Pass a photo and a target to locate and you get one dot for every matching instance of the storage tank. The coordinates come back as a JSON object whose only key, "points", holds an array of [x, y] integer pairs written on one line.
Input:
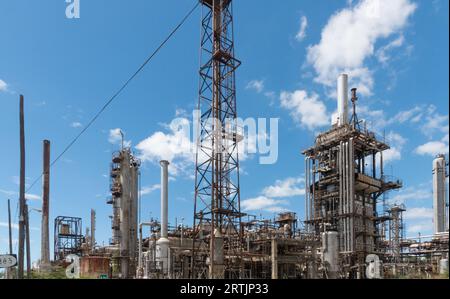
{"points": [[95, 267], [443, 267], [330, 253]]}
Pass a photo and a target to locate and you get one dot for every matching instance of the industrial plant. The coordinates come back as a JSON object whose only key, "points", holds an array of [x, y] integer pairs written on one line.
{"points": [[349, 229]]}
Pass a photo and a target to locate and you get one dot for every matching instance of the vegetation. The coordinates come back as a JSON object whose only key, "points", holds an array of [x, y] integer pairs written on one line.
{"points": [[55, 273]]}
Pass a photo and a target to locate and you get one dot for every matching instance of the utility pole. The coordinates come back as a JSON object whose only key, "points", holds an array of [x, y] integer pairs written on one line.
{"points": [[92, 231], [9, 227], [27, 230], [22, 191], [45, 246], [9, 270]]}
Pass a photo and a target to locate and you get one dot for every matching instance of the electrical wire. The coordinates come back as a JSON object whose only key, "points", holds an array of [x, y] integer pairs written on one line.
{"points": [[118, 92]]}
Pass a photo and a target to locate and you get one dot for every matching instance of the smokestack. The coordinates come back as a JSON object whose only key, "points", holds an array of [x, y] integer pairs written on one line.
{"points": [[22, 202], [162, 245], [45, 243], [439, 194], [164, 197], [342, 95], [92, 231]]}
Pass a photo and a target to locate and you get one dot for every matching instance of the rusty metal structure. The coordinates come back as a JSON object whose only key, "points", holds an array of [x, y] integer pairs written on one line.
{"points": [[217, 246], [124, 186], [68, 237], [344, 182]]}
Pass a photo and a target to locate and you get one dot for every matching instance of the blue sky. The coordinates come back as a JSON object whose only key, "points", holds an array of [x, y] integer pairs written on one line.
{"points": [[291, 54]]}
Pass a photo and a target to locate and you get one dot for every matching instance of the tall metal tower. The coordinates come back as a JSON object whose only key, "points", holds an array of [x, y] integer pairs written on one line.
{"points": [[217, 246]]}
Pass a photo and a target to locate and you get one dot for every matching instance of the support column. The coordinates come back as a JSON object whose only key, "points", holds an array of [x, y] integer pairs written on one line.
{"points": [[45, 243], [274, 256]]}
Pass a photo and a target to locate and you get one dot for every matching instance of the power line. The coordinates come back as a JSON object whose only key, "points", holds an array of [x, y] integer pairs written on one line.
{"points": [[117, 93]]}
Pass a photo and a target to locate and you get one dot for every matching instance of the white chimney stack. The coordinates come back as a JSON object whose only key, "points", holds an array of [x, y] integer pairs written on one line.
{"points": [[342, 97], [162, 245], [164, 197]]}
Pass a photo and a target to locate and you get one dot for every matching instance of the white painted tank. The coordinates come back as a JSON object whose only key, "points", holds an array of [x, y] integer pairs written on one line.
{"points": [[330, 253], [443, 266], [162, 245], [342, 98]]}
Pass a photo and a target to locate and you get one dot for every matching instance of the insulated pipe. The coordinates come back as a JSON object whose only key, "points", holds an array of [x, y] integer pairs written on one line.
{"points": [[164, 197], [342, 94], [307, 193], [140, 264], [352, 191]]}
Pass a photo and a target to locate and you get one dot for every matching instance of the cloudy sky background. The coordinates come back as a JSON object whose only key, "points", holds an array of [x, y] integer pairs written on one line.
{"points": [[395, 51]]}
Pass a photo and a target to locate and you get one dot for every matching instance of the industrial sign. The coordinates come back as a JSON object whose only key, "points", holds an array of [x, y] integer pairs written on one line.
{"points": [[8, 261]]}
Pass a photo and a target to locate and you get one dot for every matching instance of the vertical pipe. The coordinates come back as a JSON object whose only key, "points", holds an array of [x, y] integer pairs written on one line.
{"points": [[274, 256], [125, 217], [352, 191], [162, 245], [140, 252], [342, 92], [22, 191], [45, 245], [93, 231], [164, 197], [27, 232], [307, 192], [10, 227], [9, 270]]}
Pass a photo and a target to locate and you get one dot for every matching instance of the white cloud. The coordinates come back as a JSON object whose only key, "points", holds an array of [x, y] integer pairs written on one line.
{"points": [[285, 188], [303, 26], [27, 195], [256, 85], [270, 198], [396, 142], [76, 125], [262, 203], [422, 227], [3, 85], [435, 123], [150, 189], [308, 111], [349, 39], [432, 148], [418, 213], [115, 137], [16, 226], [13, 225], [174, 147], [412, 193], [383, 54]]}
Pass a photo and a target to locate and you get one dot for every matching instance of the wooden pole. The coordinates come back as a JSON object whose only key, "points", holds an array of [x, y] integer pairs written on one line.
{"points": [[27, 229], [45, 245], [9, 271], [22, 190]]}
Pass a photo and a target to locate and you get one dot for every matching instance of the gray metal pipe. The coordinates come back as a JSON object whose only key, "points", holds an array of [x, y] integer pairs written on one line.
{"points": [[342, 93], [164, 198]]}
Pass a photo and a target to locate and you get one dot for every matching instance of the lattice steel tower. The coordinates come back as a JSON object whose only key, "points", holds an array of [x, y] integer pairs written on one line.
{"points": [[217, 246]]}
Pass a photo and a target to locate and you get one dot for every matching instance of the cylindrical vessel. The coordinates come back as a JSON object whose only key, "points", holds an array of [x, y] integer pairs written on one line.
{"points": [[330, 250], [164, 197], [443, 267], [162, 245], [342, 95]]}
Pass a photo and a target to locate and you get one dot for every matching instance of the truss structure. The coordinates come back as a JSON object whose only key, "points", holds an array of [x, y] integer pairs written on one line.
{"points": [[217, 246]]}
